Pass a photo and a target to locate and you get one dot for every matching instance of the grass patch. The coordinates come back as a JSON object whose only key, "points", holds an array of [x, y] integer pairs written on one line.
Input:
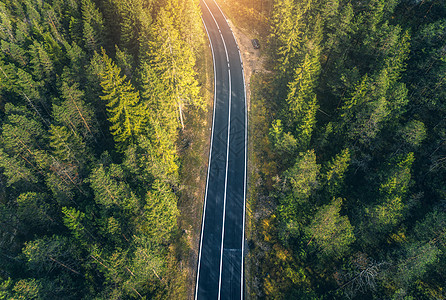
{"points": [[261, 171]]}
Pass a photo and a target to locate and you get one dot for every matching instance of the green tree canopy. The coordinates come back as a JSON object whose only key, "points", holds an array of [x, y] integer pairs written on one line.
{"points": [[126, 115], [331, 232]]}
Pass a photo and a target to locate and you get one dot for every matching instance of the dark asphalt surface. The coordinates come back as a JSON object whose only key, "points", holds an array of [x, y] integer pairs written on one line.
{"points": [[220, 273]]}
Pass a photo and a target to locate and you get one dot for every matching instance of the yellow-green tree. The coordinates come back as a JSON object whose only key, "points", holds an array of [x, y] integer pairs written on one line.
{"points": [[331, 232], [126, 116], [161, 213], [288, 26], [301, 99], [334, 178], [391, 208], [173, 59], [299, 182]]}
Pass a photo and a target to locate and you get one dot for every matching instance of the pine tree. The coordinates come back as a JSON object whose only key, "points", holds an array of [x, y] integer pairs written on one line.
{"points": [[288, 26], [27, 87], [148, 265], [126, 115], [155, 96], [129, 13], [372, 103], [110, 191], [411, 135], [27, 289], [301, 98], [34, 211], [189, 20], [393, 189], [6, 24], [160, 213], [51, 253], [338, 30], [21, 135], [357, 97], [76, 222], [334, 177], [22, 32], [66, 146], [416, 259], [153, 157], [432, 228], [174, 61], [78, 61], [115, 267], [73, 113], [41, 63], [16, 53], [284, 143], [125, 62], [23, 138], [392, 205], [299, 182], [331, 232], [16, 169], [21, 83], [93, 27]]}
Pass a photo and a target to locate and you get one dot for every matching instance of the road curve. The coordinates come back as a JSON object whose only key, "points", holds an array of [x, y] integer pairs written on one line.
{"points": [[220, 259]]}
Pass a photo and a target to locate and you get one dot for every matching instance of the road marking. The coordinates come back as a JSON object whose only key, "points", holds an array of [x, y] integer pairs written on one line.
{"points": [[227, 158], [227, 161], [209, 163], [226, 19], [226, 186], [246, 149]]}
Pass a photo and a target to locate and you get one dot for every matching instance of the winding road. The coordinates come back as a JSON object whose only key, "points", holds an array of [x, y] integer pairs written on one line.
{"points": [[220, 259]]}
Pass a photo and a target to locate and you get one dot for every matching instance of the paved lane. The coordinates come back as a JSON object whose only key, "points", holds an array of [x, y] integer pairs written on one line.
{"points": [[220, 262]]}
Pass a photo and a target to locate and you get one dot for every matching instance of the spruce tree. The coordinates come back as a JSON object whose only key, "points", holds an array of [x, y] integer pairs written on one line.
{"points": [[302, 100], [174, 61], [331, 232], [127, 117]]}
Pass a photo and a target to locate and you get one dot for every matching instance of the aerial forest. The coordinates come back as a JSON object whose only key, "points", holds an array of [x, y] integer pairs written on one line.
{"points": [[347, 157], [93, 97], [348, 131]]}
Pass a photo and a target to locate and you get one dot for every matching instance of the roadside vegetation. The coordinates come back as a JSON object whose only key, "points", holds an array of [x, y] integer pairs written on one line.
{"points": [[347, 151], [102, 109]]}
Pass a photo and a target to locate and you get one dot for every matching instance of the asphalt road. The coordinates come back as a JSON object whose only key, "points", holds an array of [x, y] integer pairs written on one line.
{"points": [[220, 261]]}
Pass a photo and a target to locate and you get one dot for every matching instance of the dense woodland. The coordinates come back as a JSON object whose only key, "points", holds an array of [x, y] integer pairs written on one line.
{"points": [[93, 95], [348, 191]]}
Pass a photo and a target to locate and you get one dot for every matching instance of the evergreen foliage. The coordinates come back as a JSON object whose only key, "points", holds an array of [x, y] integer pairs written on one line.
{"points": [[350, 188], [126, 116], [88, 156]]}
